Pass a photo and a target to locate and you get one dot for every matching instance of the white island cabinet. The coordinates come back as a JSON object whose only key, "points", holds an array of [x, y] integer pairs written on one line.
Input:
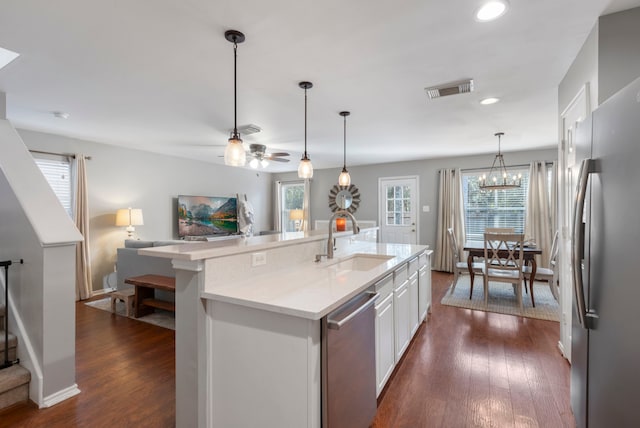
{"points": [[248, 335], [385, 346], [424, 284]]}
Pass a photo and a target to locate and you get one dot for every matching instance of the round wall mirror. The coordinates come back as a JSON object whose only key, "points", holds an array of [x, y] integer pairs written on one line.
{"points": [[344, 198]]}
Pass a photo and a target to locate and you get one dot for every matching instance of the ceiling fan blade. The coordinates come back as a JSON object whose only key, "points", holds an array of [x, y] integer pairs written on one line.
{"points": [[278, 159], [278, 154]]}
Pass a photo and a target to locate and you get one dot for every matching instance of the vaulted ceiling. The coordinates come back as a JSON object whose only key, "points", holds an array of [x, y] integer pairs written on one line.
{"points": [[157, 75]]}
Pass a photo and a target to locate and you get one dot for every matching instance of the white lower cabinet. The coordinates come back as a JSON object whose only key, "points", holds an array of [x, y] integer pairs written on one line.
{"points": [[402, 304], [401, 317], [414, 314], [424, 285], [385, 351]]}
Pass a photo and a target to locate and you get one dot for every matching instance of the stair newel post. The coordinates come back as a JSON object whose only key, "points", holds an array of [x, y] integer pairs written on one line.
{"points": [[6, 362]]}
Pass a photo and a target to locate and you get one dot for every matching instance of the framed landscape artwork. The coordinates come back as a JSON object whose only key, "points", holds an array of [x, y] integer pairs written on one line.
{"points": [[207, 215]]}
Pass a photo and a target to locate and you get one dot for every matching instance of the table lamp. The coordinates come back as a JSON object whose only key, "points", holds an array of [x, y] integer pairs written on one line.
{"points": [[297, 215], [129, 217]]}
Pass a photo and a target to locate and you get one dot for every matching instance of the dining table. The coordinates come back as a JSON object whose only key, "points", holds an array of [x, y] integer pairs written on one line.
{"points": [[476, 249]]}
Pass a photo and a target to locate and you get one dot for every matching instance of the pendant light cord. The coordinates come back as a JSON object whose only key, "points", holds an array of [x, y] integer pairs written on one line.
{"points": [[344, 139], [235, 90], [305, 123]]}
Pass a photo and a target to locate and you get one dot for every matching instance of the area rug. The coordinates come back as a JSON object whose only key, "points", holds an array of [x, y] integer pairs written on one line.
{"points": [[160, 318], [502, 299]]}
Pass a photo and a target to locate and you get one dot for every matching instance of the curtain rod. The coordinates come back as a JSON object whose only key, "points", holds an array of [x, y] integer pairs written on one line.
{"points": [[69, 155]]}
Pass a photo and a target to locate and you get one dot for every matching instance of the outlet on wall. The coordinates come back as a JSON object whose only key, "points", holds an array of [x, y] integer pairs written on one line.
{"points": [[258, 259]]}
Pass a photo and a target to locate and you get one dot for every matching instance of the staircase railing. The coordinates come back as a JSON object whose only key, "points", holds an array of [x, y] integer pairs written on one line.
{"points": [[7, 363]]}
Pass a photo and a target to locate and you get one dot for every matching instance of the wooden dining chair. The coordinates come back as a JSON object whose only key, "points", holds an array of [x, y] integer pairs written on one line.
{"points": [[549, 274], [503, 255], [460, 266], [499, 230]]}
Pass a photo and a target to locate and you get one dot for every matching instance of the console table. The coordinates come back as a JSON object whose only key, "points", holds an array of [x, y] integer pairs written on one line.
{"points": [[145, 301]]}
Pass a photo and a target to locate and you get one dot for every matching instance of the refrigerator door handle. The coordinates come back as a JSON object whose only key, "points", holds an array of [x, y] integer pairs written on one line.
{"points": [[577, 239]]}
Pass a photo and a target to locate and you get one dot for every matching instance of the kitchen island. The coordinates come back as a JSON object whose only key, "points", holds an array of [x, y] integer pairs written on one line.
{"points": [[248, 321]]}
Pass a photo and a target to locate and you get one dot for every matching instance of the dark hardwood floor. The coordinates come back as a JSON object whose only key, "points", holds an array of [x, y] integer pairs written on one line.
{"points": [[478, 369], [463, 369], [126, 371]]}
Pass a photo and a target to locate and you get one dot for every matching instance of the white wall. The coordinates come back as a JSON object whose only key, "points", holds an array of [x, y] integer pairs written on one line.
{"points": [[584, 69], [619, 51], [366, 179], [120, 177]]}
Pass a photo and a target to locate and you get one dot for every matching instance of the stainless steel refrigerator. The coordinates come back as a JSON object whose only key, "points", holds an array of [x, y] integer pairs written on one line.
{"points": [[605, 366]]}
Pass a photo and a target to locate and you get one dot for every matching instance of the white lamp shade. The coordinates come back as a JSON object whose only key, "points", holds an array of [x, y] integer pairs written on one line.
{"points": [[129, 217], [296, 214], [234, 154], [305, 169], [344, 179]]}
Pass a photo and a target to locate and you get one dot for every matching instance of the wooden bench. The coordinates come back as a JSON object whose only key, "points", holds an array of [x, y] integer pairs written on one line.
{"points": [[144, 300]]}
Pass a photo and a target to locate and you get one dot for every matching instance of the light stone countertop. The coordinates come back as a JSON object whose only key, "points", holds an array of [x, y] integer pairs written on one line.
{"points": [[312, 290], [199, 250]]}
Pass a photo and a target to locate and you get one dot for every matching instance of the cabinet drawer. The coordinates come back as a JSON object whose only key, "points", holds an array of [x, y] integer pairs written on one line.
{"points": [[384, 287], [400, 275], [413, 266], [423, 259]]}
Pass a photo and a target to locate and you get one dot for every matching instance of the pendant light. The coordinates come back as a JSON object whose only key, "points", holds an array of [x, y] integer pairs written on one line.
{"points": [[305, 169], [344, 179], [234, 154], [498, 178]]}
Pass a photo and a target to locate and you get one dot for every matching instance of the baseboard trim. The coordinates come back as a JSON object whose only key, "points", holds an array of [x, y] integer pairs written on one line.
{"points": [[561, 348], [60, 396]]}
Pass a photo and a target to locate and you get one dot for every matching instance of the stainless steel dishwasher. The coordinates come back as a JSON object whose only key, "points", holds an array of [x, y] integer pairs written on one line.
{"points": [[349, 364]]}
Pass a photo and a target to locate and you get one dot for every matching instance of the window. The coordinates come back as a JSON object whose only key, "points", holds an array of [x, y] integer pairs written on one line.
{"points": [[398, 211], [291, 197], [57, 171], [498, 208]]}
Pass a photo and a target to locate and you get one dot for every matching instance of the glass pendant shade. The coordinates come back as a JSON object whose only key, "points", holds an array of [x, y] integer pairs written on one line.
{"points": [[305, 169], [234, 153], [345, 178]]}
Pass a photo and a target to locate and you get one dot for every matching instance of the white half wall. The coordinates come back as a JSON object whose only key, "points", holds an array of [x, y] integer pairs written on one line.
{"points": [[35, 228], [120, 178]]}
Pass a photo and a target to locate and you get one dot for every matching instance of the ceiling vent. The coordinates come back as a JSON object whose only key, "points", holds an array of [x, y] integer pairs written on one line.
{"points": [[248, 129], [451, 88]]}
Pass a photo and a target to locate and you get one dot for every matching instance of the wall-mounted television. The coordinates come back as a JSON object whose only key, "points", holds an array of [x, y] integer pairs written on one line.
{"points": [[207, 215]]}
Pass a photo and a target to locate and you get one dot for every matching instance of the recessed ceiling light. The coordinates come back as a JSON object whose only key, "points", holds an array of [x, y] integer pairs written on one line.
{"points": [[6, 56], [491, 10], [487, 101]]}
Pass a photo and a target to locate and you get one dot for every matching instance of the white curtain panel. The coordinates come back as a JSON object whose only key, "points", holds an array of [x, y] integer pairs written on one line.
{"points": [[450, 214], [306, 206], [538, 219], [81, 215]]}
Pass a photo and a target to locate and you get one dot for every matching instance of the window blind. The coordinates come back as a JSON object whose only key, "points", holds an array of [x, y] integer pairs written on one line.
{"points": [[57, 171], [496, 208]]}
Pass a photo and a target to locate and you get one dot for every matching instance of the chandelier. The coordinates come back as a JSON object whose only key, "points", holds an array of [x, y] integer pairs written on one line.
{"points": [[498, 177]]}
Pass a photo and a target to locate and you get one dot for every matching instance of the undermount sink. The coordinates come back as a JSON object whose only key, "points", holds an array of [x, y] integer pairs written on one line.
{"points": [[360, 262]]}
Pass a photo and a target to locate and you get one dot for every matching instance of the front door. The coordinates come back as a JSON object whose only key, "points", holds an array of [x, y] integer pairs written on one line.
{"points": [[398, 201]]}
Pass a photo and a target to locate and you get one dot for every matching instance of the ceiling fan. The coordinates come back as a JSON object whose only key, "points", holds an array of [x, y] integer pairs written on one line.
{"points": [[258, 155]]}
